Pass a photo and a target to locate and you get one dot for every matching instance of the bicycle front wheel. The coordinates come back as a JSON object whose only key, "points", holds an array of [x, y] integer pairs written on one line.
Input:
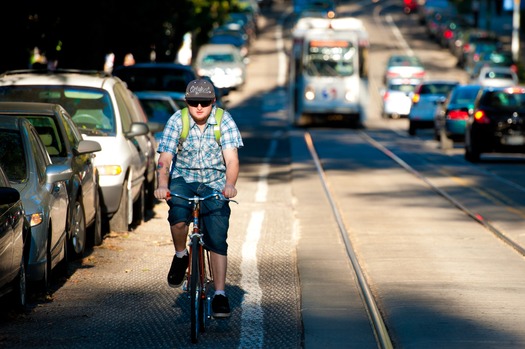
{"points": [[196, 290]]}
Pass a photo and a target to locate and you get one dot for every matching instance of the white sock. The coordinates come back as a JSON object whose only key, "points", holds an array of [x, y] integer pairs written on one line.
{"points": [[181, 254], [222, 293]]}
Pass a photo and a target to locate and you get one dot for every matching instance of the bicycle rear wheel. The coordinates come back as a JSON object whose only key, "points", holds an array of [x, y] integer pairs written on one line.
{"points": [[196, 290]]}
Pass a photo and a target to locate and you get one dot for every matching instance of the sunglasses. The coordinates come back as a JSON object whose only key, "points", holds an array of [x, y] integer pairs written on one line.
{"points": [[203, 104]]}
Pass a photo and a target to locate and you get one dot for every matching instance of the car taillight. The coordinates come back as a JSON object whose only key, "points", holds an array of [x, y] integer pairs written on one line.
{"points": [[448, 34], [415, 98], [457, 115], [418, 75], [385, 96], [514, 68], [481, 118]]}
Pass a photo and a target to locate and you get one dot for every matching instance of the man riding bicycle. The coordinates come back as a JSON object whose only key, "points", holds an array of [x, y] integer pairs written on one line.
{"points": [[202, 166]]}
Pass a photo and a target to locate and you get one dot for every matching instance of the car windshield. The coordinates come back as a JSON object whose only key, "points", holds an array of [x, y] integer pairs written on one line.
{"points": [[12, 156], [157, 110], [91, 109], [407, 88], [219, 58], [464, 95], [436, 89], [505, 100], [404, 61]]}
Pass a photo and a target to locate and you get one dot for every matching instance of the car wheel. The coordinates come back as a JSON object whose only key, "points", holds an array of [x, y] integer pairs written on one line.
{"points": [[412, 129], [77, 232], [95, 229], [139, 208], [120, 220], [43, 284], [471, 155], [150, 196]]}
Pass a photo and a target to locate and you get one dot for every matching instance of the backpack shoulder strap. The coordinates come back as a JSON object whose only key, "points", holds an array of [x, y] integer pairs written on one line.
{"points": [[217, 127], [185, 127]]}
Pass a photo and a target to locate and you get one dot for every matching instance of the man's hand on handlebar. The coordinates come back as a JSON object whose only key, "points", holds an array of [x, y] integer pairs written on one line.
{"points": [[162, 193], [229, 191]]}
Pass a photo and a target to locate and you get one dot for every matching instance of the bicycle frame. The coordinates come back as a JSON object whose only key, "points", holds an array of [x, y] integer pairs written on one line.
{"points": [[199, 274]]}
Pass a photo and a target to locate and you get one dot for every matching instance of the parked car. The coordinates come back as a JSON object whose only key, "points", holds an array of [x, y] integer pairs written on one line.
{"points": [[223, 64], [156, 76], [409, 6], [397, 97], [159, 107], [65, 145], [170, 78], [43, 190], [497, 123], [449, 30], [14, 243], [474, 55], [450, 118], [403, 67], [425, 99], [236, 39], [426, 7], [496, 76], [101, 107], [467, 39], [148, 147]]}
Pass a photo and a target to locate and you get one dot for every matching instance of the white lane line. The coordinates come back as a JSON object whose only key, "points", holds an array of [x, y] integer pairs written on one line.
{"points": [[252, 314], [252, 317]]}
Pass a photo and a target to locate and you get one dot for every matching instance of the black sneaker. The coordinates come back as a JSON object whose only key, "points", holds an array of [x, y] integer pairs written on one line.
{"points": [[220, 306], [177, 271]]}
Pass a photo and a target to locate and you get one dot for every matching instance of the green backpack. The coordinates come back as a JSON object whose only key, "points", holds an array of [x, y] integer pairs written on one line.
{"points": [[186, 126]]}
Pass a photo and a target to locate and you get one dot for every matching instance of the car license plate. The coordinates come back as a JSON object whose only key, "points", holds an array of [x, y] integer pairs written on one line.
{"points": [[513, 140]]}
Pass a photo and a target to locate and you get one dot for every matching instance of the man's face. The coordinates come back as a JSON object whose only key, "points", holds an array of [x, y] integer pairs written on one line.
{"points": [[200, 110]]}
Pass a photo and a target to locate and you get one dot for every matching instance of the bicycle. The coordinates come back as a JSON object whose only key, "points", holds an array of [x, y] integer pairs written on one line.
{"points": [[200, 273]]}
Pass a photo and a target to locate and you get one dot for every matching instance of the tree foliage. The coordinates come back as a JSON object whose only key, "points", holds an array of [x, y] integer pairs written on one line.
{"points": [[80, 35]]}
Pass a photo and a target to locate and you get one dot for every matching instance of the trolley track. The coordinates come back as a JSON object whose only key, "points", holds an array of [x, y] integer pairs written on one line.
{"points": [[436, 170]]}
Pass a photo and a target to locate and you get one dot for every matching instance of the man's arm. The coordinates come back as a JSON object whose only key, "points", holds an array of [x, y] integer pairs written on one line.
{"points": [[231, 160], [163, 174]]}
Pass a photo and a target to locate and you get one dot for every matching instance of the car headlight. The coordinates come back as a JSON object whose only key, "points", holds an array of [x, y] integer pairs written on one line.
{"points": [[109, 170]]}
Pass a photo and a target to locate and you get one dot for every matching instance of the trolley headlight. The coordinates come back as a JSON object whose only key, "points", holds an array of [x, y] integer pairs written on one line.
{"points": [[309, 93], [350, 96]]}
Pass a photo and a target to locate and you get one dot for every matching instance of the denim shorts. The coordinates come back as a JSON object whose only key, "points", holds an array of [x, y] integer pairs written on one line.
{"points": [[214, 215]]}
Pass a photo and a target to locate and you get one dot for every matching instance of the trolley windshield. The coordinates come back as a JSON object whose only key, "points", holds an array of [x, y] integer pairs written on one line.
{"points": [[330, 58]]}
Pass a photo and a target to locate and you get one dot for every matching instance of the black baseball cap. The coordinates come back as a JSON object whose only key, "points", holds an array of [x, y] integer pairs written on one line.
{"points": [[200, 90]]}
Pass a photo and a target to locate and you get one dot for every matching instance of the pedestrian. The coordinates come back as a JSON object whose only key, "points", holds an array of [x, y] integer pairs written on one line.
{"points": [[475, 12], [200, 167]]}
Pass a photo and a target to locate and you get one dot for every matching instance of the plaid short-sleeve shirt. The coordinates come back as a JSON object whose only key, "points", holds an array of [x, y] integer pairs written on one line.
{"points": [[200, 159]]}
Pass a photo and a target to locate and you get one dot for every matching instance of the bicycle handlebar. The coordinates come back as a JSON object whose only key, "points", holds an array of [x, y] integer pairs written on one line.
{"points": [[217, 195]]}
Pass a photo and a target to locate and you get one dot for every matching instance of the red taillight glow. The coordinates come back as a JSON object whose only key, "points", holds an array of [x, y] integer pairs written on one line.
{"points": [[419, 75], [481, 117], [448, 34], [457, 115]]}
